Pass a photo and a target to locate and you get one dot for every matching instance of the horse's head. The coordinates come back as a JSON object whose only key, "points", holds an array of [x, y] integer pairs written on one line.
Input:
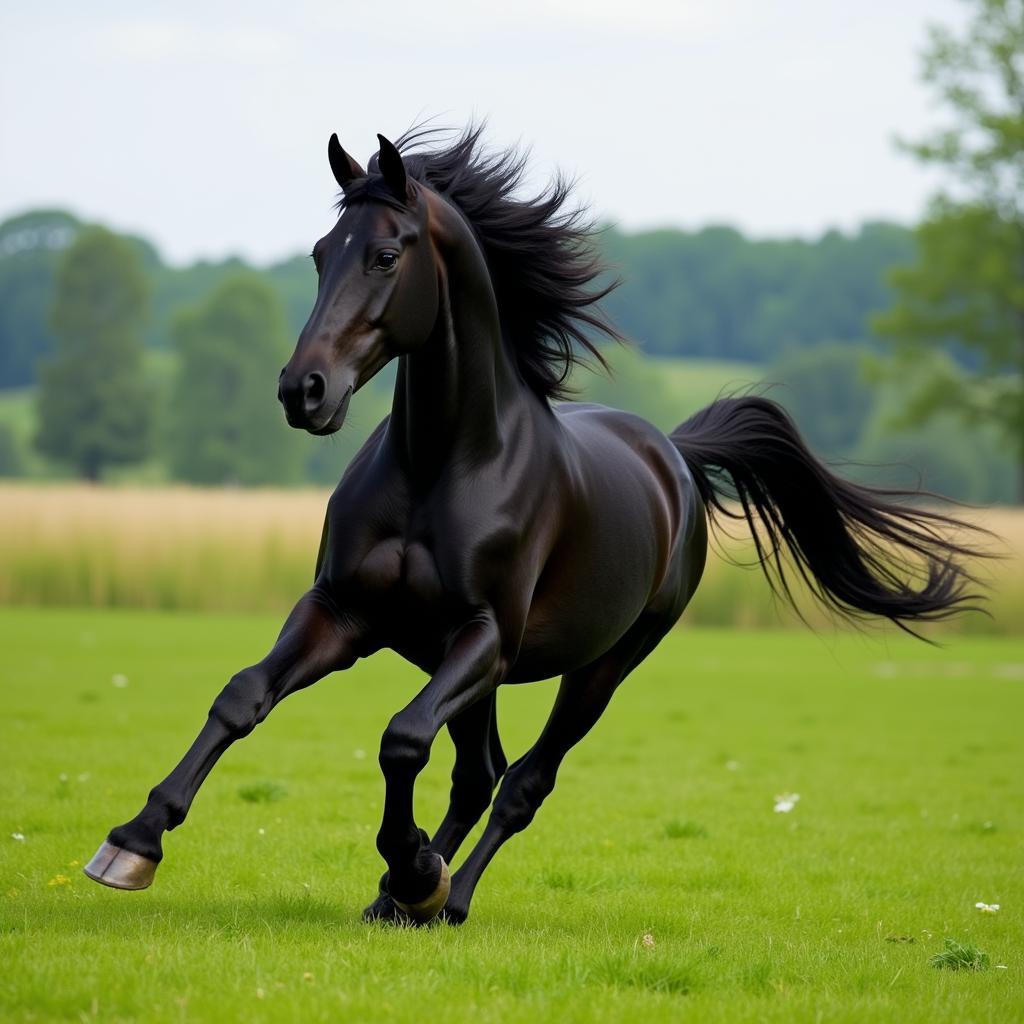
{"points": [[378, 291]]}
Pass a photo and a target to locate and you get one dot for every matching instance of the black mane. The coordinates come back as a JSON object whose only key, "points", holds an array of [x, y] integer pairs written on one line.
{"points": [[544, 267]]}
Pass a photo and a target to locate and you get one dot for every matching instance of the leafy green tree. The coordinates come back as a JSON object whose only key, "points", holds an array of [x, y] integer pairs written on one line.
{"points": [[941, 457], [12, 461], [94, 406], [719, 295], [633, 383], [226, 424], [825, 391], [30, 249], [965, 294]]}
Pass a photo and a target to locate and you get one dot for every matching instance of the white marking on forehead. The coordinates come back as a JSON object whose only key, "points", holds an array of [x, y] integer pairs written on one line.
{"points": [[348, 238]]}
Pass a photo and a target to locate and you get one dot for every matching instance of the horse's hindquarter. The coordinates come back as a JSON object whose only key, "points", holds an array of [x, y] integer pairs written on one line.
{"points": [[631, 540]]}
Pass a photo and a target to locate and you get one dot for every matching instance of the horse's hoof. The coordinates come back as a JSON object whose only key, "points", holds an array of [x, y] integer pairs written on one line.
{"points": [[120, 869], [383, 910], [426, 910], [454, 916]]}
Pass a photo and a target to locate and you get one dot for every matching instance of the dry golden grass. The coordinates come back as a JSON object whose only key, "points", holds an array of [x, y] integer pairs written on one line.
{"points": [[249, 550], [175, 547]]}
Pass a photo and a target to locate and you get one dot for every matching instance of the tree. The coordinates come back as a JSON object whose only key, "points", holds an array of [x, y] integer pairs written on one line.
{"points": [[11, 461], [634, 383], [826, 394], [717, 294], [94, 407], [226, 423], [965, 294], [30, 249]]}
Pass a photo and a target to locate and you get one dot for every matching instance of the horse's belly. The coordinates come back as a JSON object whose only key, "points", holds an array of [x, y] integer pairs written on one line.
{"points": [[577, 616]]}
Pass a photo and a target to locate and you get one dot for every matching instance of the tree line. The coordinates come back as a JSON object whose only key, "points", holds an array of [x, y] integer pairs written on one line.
{"points": [[712, 293], [172, 370], [212, 336]]}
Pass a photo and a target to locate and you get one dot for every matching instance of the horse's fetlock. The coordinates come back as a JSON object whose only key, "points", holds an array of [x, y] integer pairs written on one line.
{"points": [[138, 837], [169, 807], [404, 844]]}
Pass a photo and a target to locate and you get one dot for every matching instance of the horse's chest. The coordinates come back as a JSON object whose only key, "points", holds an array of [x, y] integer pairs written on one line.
{"points": [[398, 567]]}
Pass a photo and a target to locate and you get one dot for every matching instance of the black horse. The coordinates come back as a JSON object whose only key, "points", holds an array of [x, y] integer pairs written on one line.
{"points": [[489, 536]]}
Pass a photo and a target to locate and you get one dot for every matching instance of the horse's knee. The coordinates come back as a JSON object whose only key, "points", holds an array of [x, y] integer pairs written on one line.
{"points": [[523, 791], [405, 745], [244, 702]]}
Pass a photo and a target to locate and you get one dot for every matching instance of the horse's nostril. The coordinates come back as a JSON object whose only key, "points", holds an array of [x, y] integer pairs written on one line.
{"points": [[314, 387]]}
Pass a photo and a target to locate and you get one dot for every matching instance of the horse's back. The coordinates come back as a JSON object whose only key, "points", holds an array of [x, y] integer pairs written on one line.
{"points": [[623, 442], [608, 440]]}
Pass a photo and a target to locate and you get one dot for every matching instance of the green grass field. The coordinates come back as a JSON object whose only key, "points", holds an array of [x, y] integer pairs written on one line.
{"points": [[908, 761]]}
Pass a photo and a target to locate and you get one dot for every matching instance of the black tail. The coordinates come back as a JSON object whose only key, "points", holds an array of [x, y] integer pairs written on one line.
{"points": [[861, 550]]}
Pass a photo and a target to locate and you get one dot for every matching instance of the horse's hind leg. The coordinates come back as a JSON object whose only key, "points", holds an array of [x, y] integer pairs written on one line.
{"points": [[582, 698], [479, 764], [312, 643]]}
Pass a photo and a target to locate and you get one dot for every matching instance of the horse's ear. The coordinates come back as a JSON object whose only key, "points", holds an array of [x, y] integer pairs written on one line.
{"points": [[345, 169], [389, 160]]}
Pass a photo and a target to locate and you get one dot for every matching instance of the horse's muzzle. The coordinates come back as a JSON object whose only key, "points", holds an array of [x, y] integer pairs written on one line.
{"points": [[311, 404], [336, 419]]}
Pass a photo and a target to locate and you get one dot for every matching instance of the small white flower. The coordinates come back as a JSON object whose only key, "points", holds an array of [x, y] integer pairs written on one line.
{"points": [[785, 802], [359, 754], [18, 837], [731, 766], [261, 831], [987, 908], [119, 680]]}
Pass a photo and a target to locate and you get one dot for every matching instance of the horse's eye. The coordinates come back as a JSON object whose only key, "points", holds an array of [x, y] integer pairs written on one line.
{"points": [[385, 260]]}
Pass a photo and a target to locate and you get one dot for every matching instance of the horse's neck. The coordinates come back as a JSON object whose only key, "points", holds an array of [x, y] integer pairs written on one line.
{"points": [[454, 396]]}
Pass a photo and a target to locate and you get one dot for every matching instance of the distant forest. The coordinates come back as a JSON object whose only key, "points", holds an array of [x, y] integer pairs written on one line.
{"points": [[706, 310], [712, 293]]}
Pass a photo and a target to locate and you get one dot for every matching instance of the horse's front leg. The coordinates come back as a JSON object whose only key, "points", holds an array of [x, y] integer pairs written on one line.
{"points": [[479, 765], [315, 640], [418, 879]]}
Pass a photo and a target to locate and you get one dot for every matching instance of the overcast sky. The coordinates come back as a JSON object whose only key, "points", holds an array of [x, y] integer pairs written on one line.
{"points": [[204, 126]]}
